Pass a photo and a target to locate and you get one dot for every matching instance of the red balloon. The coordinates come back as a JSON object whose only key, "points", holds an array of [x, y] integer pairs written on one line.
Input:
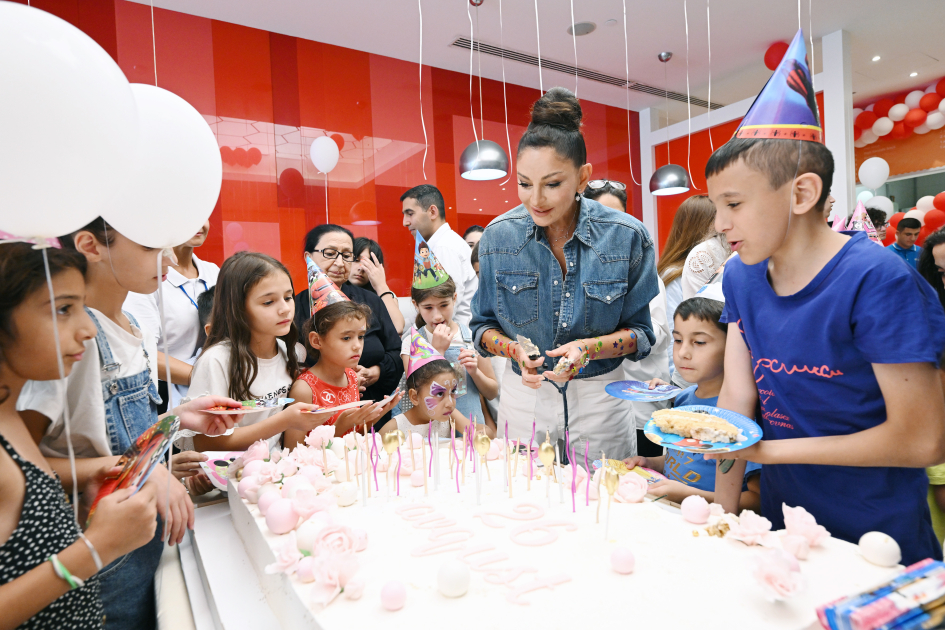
{"points": [[934, 219], [291, 183], [900, 131], [939, 201], [240, 157], [226, 153], [857, 132], [254, 156], [890, 238], [775, 54], [339, 140], [901, 98], [895, 219], [866, 119], [882, 106], [940, 88], [915, 117], [923, 233], [930, 102]]}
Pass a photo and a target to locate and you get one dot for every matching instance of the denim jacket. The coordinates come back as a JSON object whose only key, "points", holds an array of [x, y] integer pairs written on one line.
{"points": [[610, 280]]}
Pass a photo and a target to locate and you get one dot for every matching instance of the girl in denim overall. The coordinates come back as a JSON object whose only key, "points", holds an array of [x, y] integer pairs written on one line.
{"points": [[452, 340]]}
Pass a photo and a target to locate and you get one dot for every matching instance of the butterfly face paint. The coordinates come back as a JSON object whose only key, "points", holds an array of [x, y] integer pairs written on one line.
{"points": [[441, 396]]}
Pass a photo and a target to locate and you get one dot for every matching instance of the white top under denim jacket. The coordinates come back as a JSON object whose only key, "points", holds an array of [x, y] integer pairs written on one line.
{"points": [[610, 280]]}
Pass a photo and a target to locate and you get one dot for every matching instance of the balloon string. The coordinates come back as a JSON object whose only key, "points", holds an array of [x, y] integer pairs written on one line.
{"points": [[574, 41], [541, 87], [65, 390], [426, 144], [810, 33], [167, 379], [482, 122], [505, 102], [626, 63], [154, 43], [472, 47], [327, 220], [688, 99], [708, 20]]}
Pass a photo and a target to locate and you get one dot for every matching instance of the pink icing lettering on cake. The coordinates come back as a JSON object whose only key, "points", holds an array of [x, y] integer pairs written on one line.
{"points": [[521, 512], [549, 582], [507, 576], [482, 559], [433, 521], [525, 534], [443, 541]]}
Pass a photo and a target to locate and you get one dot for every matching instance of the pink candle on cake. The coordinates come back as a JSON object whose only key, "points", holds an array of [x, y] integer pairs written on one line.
{"points": [[587, 488]]}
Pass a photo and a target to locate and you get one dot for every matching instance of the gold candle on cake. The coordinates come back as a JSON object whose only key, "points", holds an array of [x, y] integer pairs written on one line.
{"points": [[546, 453]]}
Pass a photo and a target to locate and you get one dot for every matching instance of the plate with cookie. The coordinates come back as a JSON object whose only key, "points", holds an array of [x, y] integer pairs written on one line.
{"points": [[702, 429], [640, 391]]}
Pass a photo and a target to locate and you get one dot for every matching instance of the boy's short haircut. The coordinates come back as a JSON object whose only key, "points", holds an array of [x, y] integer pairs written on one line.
{"points": [[426, 196], [702, 308], [778, 159], [909, 224], [205, 306]]}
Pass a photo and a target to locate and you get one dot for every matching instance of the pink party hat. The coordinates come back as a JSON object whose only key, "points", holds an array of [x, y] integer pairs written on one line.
{"points": [[421, 352], [840, 224], [860, 222]]}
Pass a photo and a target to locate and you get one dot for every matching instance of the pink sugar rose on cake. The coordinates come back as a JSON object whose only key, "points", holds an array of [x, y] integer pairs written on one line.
{"points": [[257, 451], [776, 575], [581, 475], [287, 556], [286, 468], [320, 436], [632, 489], [797, 546], [753, 529], [267, 473], [307, 502], [800, 522], [337, 539], [333, 572]]}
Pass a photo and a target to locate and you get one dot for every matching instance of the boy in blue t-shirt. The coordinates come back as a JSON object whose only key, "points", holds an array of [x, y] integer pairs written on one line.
{"points": [[850, 419], [698, 354]]}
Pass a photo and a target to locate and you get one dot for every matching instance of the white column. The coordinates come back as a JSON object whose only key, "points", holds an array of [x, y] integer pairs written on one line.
{"points": [[837, 86]]}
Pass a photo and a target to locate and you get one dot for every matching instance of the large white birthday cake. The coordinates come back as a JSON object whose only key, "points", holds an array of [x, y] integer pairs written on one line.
{"points": [[329, 557]]}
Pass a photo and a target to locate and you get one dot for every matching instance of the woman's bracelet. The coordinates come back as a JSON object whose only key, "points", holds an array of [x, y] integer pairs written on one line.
{"points": [[391, 293], [95, 557], [64, 574]]}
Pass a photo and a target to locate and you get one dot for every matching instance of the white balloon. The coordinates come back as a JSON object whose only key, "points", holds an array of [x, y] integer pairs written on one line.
{"points": [[941, 106], [865, 196], [930, 89], [925, 203], [935, 120], [882, 126], [869, 107], [176, 173], [922, 129], [68, 124], [916, 214], [856, 112], [859, 144], [324, 154], [868, 136], [898, 112], [874, 172], [913, 98], [881, 203]]}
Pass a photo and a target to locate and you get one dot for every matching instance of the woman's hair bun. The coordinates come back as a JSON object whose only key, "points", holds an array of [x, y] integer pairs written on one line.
{"points": [[559, 107]]}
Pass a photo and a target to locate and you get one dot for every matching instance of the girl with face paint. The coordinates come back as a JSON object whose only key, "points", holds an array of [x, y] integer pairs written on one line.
{"points": [[432, 391]]}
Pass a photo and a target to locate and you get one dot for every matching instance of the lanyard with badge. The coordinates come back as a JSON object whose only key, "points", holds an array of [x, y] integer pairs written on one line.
{"points": [[182, 290]]}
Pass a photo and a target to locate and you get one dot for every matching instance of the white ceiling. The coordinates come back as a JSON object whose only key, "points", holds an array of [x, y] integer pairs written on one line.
{"points": [[906, 34]]}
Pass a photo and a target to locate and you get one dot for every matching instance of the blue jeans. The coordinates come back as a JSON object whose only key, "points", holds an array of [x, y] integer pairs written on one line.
{"points": [[130, 408]]}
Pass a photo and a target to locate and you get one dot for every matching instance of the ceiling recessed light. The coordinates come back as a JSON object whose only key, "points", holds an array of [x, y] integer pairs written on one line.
{"points": [[876, 58], [582, 28], [480, 209], [474, 198], [610, 22], [914, 74]]}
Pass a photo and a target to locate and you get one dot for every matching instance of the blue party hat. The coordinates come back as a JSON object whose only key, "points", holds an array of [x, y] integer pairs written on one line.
{"points": [[786, 108]]}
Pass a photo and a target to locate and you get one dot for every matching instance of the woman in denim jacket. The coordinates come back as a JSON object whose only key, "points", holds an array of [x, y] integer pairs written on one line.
{"points": [[573, 276]]}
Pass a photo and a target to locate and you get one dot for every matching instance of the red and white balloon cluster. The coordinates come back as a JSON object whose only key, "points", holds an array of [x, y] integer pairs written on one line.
{"points": [[929, 210], [917, 112], [240, 156]]}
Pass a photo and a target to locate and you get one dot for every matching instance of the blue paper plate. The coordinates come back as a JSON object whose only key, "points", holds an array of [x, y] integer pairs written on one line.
{"points": [[746, 427], [640, 392]]}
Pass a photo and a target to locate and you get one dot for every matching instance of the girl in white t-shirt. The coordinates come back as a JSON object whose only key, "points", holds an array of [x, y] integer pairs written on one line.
{"points": [[250, 351]]}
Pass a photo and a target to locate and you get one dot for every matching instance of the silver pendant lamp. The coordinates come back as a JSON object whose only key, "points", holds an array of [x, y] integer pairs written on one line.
{"points": [[483, 159], [669, 179]]}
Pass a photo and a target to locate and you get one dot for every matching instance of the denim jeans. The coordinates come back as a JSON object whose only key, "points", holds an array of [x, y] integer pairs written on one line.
{"points": [[130, 408]]}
